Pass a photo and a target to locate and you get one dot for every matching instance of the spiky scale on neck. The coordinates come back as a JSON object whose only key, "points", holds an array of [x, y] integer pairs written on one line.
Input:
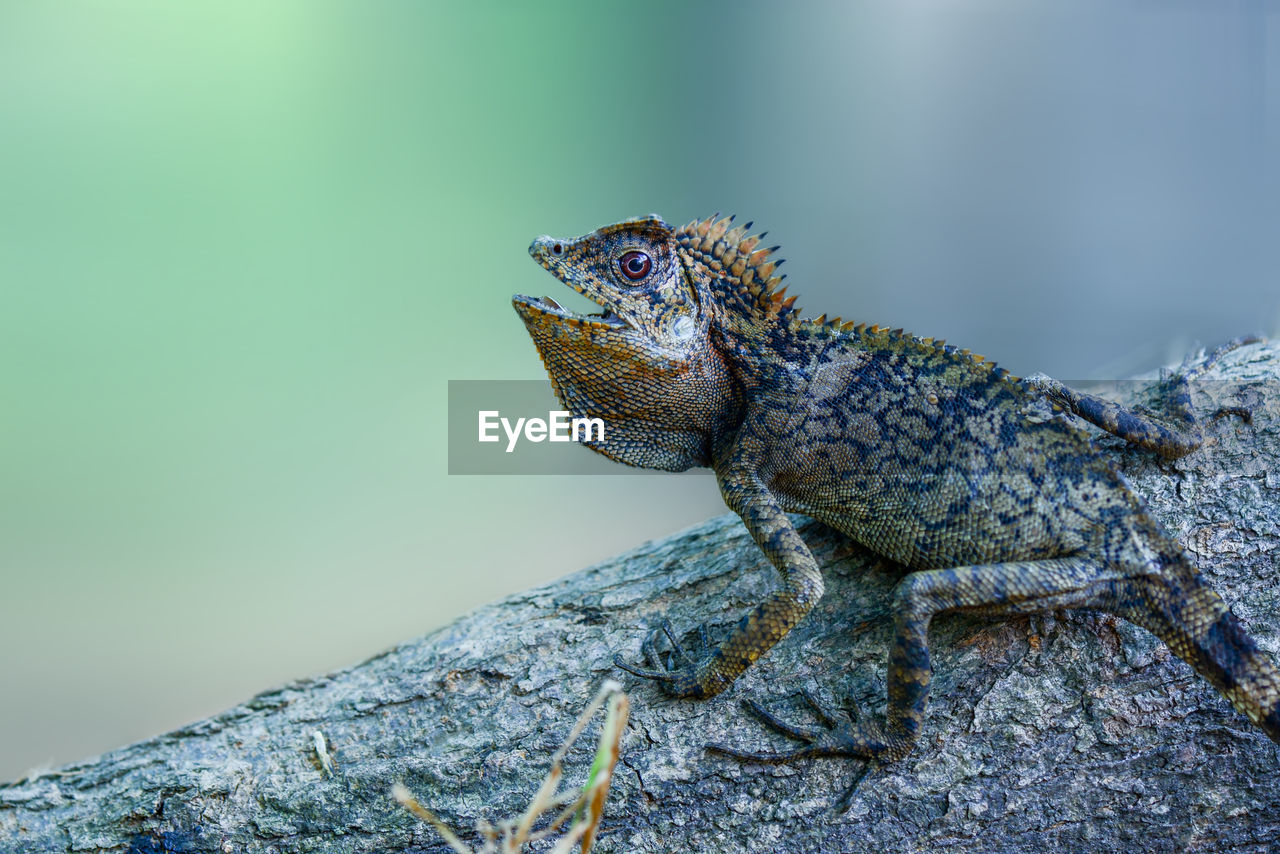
{"points": [[745, 285], [743, 273]]}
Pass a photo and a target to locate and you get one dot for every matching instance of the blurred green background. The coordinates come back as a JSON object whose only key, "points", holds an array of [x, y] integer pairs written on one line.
{"points": [[244, 245]]}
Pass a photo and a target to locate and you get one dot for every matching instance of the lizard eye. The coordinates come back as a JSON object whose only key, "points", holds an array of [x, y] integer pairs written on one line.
{"points": [[635, 265]]}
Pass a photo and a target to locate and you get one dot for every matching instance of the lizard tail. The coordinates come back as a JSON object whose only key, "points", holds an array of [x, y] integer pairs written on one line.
{"points": [[1187, 614]]}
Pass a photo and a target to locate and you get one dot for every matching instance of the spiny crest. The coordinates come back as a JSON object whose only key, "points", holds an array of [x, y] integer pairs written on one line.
{"points": [[932, 345], [752, 287], [886, 336], [729, 249]]}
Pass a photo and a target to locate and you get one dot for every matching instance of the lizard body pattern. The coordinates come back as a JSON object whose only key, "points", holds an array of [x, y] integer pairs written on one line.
{"points": [[994, 502]]}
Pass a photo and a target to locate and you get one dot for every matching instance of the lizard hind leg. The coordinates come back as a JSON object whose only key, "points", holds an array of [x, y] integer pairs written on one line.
{"points": [[1020, 587], [1183, 611]]}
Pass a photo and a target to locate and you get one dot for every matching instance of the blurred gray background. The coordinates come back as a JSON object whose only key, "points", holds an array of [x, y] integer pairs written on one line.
{"points": [[243, 247]]}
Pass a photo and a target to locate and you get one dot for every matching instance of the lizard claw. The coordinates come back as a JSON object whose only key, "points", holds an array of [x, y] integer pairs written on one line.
{"points": [[846, 800], [832, 738], [679, 672], [860, 739], [642, 672]]}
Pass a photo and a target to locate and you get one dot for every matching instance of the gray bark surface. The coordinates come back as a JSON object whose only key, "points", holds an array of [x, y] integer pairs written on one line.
{"points": [[1072, 731]]}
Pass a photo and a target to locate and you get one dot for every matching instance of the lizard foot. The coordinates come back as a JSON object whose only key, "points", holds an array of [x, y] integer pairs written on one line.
{"points": [[680, 674], [859, 739]]}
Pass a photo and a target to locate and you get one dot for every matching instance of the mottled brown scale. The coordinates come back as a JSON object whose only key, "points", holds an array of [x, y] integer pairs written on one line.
{"points": [[979, 484]]}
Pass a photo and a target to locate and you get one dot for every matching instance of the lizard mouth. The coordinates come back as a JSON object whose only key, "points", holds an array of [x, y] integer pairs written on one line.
{"points": [[544, 250], [605, 318]]}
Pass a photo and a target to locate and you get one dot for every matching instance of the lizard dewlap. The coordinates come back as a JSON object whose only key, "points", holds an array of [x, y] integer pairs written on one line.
{"points": [[981, 485]]}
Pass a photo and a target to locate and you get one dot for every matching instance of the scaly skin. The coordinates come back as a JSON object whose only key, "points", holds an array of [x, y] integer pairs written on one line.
{"points": [[922, 452]]}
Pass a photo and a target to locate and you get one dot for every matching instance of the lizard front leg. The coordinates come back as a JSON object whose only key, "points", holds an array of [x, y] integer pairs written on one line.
{"points": [[768, 622]]}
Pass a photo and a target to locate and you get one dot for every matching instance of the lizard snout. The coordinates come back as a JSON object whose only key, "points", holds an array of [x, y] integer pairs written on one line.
{"points": [[546, 247]]}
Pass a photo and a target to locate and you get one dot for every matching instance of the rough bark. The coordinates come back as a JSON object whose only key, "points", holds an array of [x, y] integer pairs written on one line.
{"points": [[1071, 730]]}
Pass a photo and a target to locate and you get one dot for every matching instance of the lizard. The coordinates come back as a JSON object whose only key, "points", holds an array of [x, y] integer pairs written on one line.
{"points": [[925, 453]]}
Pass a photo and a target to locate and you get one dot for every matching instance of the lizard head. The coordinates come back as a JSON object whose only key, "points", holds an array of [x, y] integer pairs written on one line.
{"points": [[632, 271], [644, 362]]}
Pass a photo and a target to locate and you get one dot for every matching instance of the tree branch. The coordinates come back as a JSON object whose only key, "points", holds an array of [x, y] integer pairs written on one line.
{"points": [[1069, 730]]}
